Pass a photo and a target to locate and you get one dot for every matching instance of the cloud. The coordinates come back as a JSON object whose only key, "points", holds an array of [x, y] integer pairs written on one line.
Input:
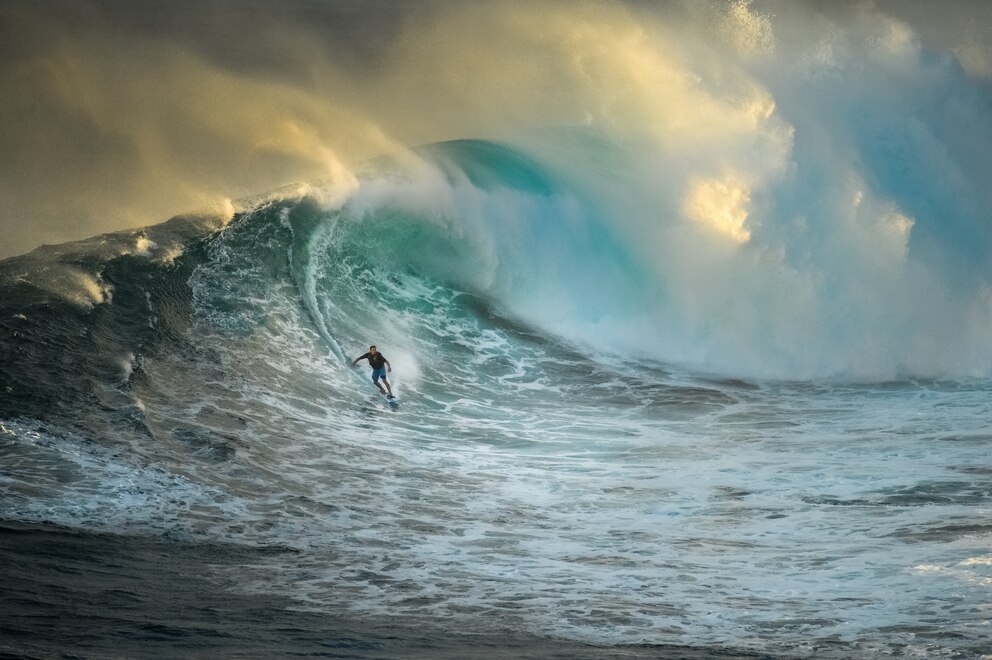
{"points": [[116, 119], [118, 116]]}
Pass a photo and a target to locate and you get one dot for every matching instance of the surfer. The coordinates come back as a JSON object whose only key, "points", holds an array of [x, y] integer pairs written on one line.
{"points": [[379, 365]]}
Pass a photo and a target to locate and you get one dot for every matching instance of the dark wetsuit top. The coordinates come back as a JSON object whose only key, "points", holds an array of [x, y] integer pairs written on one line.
{"points": [[376, 361]]}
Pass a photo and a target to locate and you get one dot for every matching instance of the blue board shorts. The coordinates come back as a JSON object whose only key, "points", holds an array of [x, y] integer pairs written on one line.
{"points": [[378, 373]]}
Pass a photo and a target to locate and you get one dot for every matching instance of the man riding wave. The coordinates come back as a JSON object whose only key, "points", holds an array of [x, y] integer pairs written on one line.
{"points": [[379, 365]]}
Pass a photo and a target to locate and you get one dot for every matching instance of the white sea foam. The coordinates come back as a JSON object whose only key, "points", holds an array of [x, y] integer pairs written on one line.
{"points": [[143, 246], [93, 487]]}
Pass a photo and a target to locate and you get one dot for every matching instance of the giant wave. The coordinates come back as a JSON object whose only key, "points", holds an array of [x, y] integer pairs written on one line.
{"points": [[557, 467]]}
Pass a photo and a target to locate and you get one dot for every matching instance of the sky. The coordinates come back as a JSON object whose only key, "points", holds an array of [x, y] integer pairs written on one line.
{"points": [[117, 114]]}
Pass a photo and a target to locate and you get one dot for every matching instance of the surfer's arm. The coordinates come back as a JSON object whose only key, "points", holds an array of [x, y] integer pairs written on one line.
{"points": [[360, 357], [388, 366]]}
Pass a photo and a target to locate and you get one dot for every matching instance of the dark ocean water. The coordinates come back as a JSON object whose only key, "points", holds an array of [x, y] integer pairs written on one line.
{"points": [[77, 595]]}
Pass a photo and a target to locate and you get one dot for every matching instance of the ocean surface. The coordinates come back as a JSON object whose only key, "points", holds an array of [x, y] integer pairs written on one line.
{"points": [[189, 466]]}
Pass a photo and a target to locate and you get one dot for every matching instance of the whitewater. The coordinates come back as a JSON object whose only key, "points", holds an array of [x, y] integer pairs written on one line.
{"points": [[688, 307]]}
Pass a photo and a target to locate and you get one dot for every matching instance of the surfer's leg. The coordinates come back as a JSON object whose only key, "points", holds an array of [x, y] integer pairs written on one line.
{"points": [[375, 380], [387, 386]]}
